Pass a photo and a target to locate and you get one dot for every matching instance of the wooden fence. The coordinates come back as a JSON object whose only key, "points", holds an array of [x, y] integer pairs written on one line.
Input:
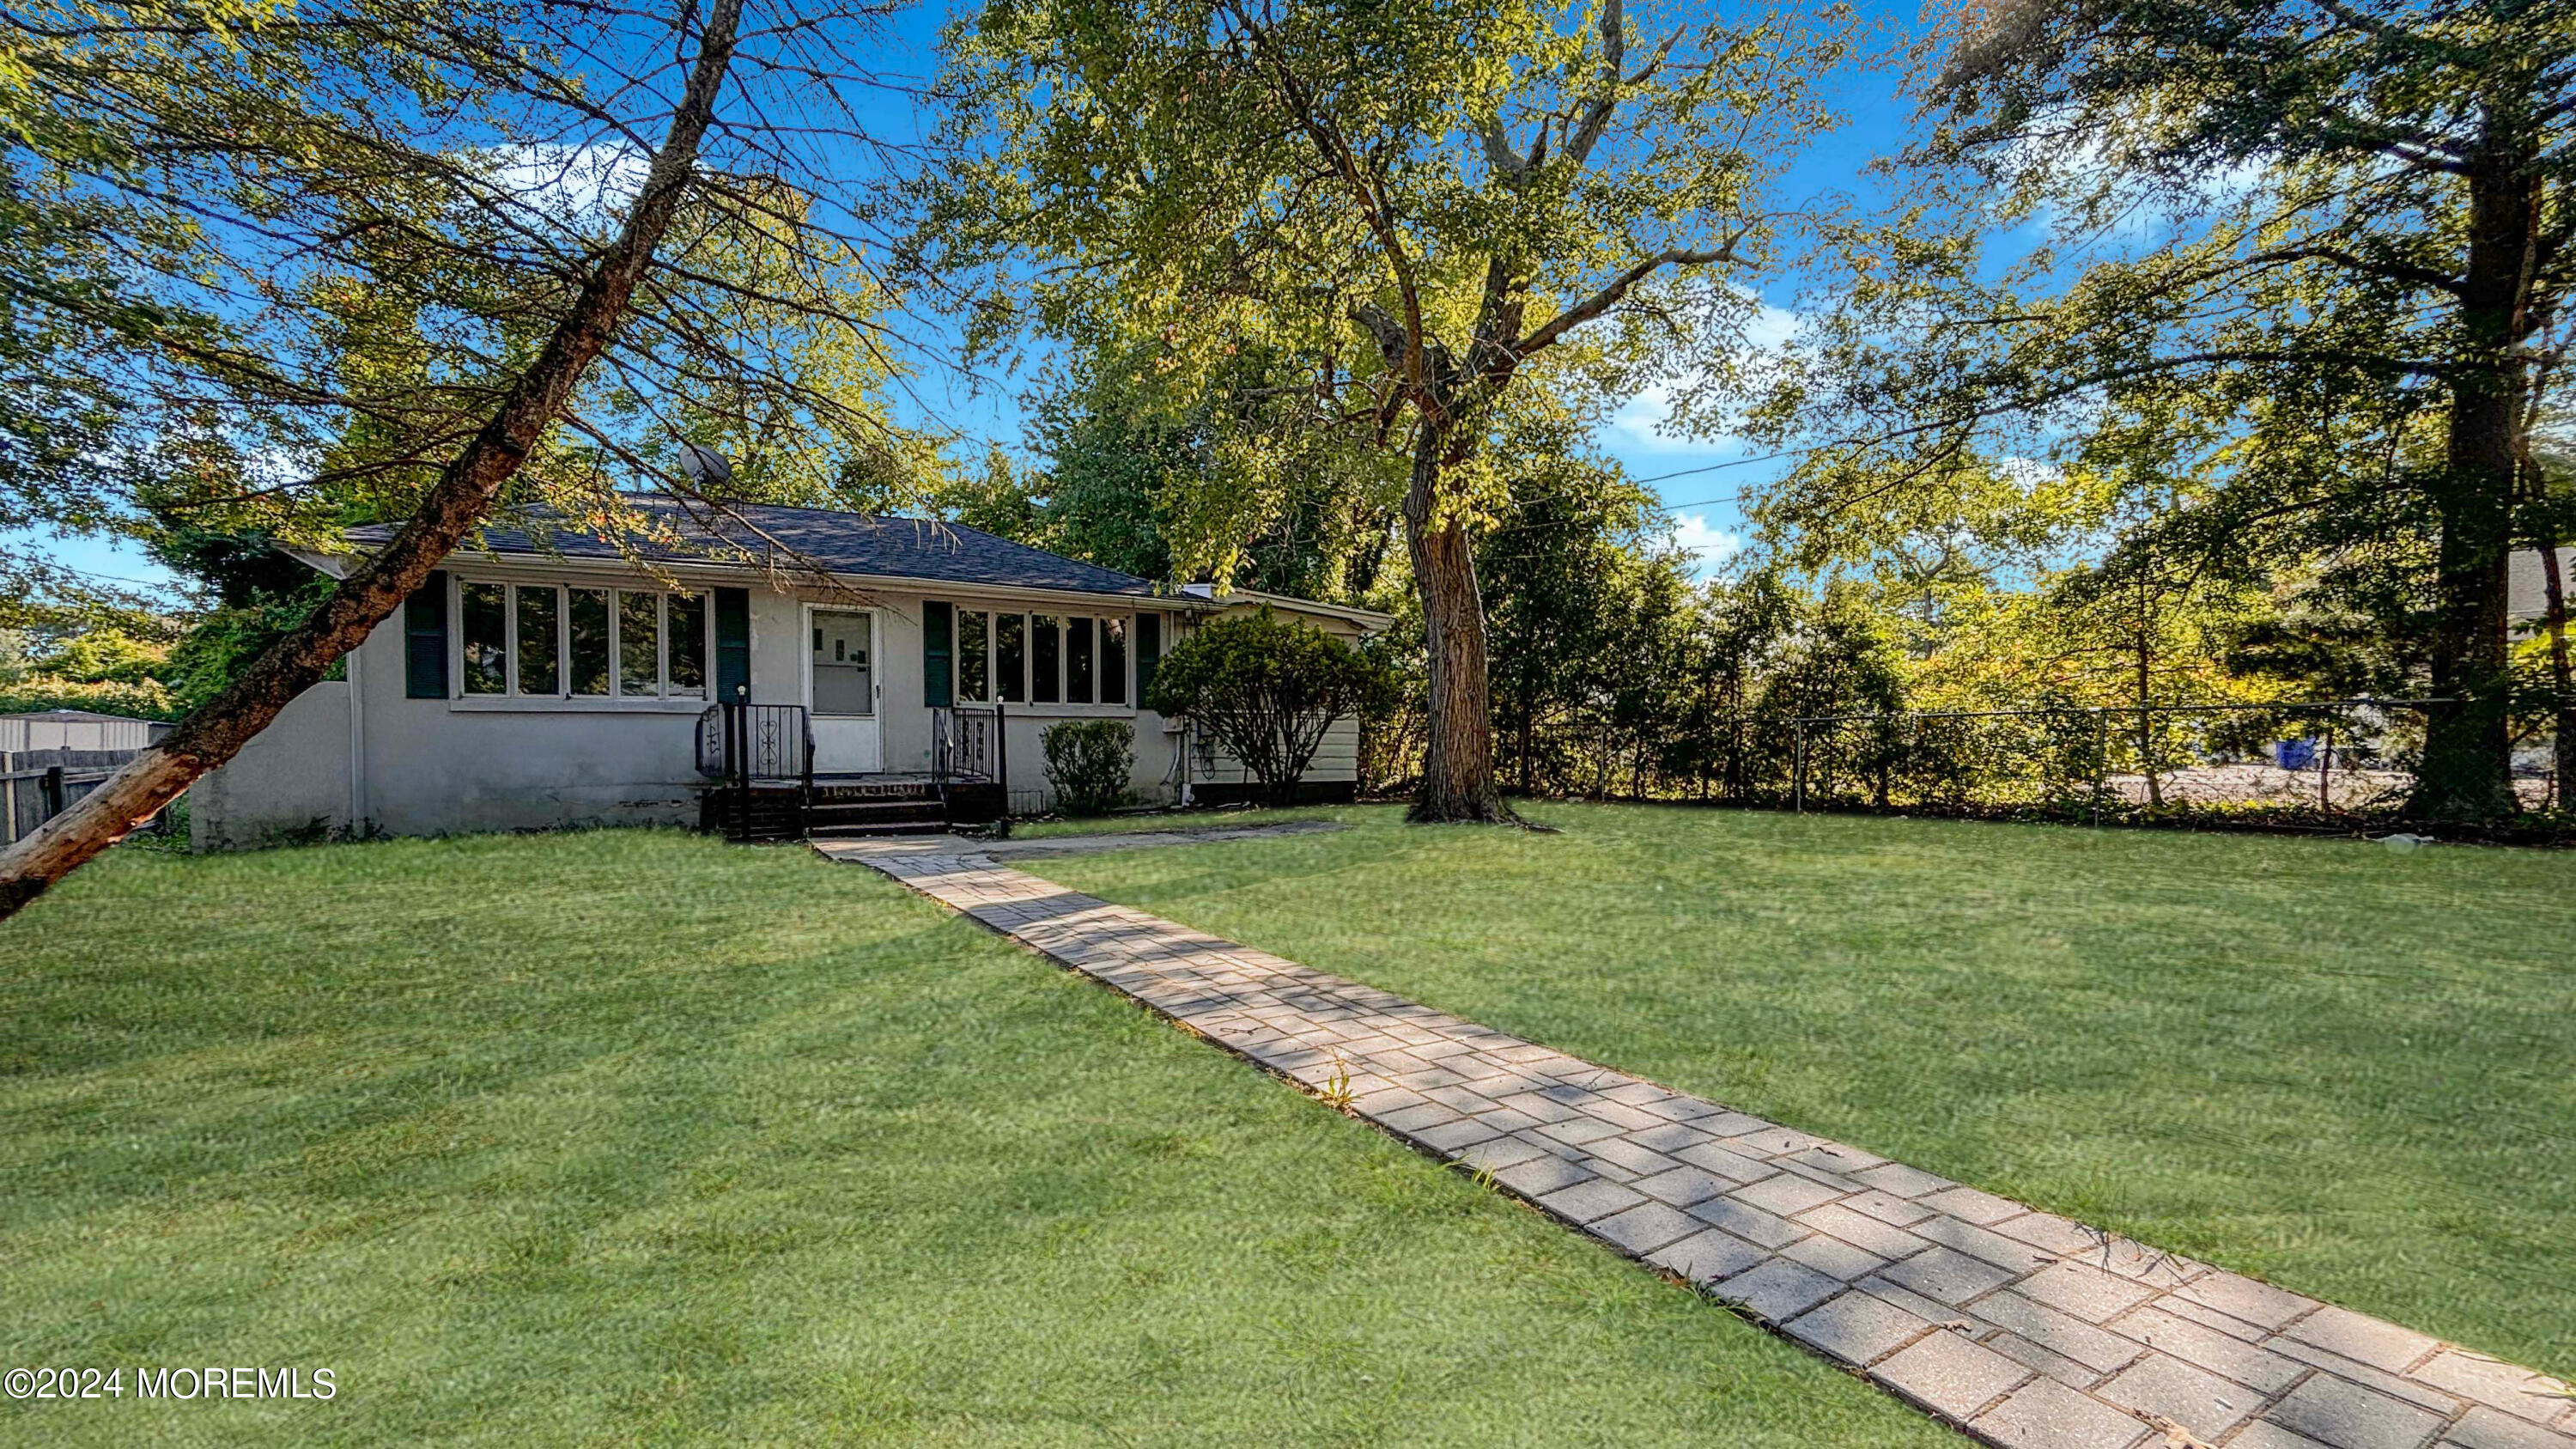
{"points": [[36, 785]]}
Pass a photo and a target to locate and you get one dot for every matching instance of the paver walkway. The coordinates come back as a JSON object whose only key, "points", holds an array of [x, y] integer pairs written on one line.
{"points": [[2027, 1329]]}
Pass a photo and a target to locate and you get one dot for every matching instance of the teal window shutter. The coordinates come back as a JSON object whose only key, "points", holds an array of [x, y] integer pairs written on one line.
{"points": [[425, 639], [1149, 653], [733, 641], [938, 622]]}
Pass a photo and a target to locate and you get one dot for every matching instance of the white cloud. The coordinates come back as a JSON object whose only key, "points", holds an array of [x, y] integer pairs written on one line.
{"points": [[1644, 423], [583, 184], [1693, 535], [1770, 326], [2030, 474]]}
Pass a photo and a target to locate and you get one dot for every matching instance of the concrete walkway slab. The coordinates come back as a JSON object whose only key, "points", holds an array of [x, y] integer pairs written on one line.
{"points": [[2021, 1328]]}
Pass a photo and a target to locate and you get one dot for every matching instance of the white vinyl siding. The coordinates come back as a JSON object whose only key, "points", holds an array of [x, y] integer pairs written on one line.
{"points": [[1336, 759]]}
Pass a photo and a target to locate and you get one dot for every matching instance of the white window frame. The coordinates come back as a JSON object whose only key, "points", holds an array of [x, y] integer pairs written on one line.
{"points": [[617, 697]]}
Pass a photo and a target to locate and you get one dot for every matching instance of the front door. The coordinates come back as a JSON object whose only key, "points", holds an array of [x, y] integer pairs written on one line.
{"points": [[841, 689]]}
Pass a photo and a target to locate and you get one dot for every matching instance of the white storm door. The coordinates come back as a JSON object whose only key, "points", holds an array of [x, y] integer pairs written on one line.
{"points": [[842, 685]]}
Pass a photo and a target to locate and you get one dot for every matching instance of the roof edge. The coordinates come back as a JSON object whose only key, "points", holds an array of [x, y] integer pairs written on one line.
{"points": [[1371, 619]]}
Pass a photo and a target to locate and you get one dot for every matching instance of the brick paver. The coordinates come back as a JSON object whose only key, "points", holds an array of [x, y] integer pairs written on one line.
{"points": [[2022, 1328]]}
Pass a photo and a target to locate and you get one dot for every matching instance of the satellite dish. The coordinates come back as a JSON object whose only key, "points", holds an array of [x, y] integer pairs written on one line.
{"points": [[705, 466]]}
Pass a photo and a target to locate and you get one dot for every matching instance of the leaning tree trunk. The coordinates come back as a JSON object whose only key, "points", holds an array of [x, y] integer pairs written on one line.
{"points": [[1458, 749], [2466, 774], [463, 494]]}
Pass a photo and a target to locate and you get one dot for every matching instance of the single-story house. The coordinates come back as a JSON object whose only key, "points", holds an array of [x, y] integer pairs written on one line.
{"points": [[911, 666], [2526, 587], [76, 729]]}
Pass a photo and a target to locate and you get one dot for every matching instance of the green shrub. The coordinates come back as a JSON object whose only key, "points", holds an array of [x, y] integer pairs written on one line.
{"points": [[1268, 689], [149, 699], [1088, 763]]}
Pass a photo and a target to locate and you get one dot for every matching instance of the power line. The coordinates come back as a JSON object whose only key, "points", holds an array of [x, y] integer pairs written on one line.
{"points": [[1711, 468], [1734, 498]]}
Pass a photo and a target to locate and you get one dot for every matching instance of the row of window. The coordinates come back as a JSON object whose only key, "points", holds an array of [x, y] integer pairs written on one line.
{"points": [[548, 641], [1040, 658], [555, 641]]}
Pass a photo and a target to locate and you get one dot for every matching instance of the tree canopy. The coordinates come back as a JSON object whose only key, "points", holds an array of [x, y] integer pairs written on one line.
{"points": [[1408, 211], [2309, 252]]}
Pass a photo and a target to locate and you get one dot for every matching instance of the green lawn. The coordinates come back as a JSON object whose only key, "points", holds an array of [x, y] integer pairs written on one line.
{"points": [[636, 1138], [2347, 1070]]}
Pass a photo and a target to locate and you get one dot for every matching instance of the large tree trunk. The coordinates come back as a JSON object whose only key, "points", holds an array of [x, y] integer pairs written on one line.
{"points": [[2466, 773], [464, 493], [1458, 749]]}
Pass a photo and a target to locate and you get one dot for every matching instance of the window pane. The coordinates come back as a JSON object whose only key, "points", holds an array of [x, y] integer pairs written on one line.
{"points": [[1113, 661], [589, 641], [974, 673], [485, 623], [639, 644], [689, 646], [844, 667], [1010, 650], [1077, 660], [540, 670], [1046, 647]]}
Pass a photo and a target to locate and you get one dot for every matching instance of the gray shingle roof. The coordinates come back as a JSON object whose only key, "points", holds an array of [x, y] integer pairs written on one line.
{"points": [[845, 543]]}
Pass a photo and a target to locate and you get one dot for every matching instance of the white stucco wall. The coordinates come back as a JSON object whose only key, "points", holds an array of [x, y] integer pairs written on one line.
{"points": [[442, 766], [290, 782]]}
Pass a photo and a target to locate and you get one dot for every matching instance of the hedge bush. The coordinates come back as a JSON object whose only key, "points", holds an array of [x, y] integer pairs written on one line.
{"points": [[1088, 764]]}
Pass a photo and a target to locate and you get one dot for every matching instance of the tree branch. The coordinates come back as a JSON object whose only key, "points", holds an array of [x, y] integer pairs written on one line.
{"points": [[463, 494], [1609, 296]]}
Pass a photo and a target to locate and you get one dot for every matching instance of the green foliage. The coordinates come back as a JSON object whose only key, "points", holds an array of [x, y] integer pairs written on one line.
{"points": [[139, 699], [228, 637], [1089, 763], [2293, 270], [1364, 228], [1104, 481], [95, 653], [1168, 489], [110, 656], [264, 268], [1267, 688]]}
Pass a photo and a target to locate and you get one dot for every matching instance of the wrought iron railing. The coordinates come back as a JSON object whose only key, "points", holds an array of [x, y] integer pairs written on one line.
{"points": [[741, 745], [966, 745], [743, 741]]}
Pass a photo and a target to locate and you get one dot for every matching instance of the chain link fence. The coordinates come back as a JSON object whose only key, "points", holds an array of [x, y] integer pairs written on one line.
{"points": [[2335, 764]]}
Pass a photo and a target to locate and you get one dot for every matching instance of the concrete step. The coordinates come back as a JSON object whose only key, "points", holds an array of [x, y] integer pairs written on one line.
{"points": [[821, 831], [876, 812]]}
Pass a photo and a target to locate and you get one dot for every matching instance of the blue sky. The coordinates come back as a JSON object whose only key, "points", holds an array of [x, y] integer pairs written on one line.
{"points": [[1699, 478]]}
